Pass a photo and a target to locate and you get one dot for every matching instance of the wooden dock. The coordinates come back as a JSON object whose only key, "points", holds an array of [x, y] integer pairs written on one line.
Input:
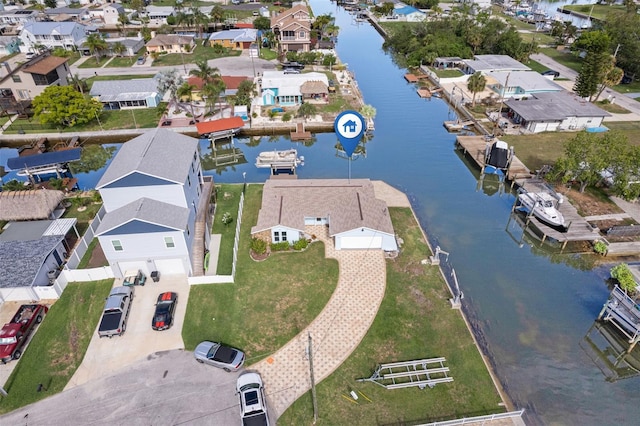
{"points": [[475, 147], [300, 134], [578, 229], [412, 78]]}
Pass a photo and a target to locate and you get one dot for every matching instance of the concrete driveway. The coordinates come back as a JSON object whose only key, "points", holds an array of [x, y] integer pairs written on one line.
{"points": [[106, 355], [164, 388]]}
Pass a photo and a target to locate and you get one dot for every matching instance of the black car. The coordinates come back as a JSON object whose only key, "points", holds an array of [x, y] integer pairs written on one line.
{"points": [[553, 73], [292, 65], [165, 308]]}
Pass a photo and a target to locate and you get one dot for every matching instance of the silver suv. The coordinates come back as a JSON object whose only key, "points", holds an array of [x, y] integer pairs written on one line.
{"points": [[253, 405]]}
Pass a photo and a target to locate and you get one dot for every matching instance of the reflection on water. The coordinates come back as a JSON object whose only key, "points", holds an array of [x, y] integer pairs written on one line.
{"points": [[609, 351]]}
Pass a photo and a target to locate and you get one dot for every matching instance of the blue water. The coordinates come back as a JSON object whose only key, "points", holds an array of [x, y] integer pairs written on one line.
{"points": [[533, 307]]}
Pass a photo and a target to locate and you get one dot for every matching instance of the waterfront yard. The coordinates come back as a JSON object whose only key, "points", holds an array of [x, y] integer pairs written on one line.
{"points": [[200, 53], [227, 201], [58, 346]]}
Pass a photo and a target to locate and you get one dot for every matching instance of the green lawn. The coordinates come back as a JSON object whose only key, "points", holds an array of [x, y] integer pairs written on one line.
{"points": [[262, 310], [227, 201], [566, 58], [447, 73], [415, 321], [91, 62], [598, 11], [57, 348], [200, 53], [119, 62]]}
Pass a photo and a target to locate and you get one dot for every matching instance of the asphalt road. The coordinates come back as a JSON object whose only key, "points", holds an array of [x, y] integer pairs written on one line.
{"points": [[236, 65], [167, 388]]}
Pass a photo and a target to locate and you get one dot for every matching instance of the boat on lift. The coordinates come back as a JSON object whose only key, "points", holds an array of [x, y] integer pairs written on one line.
{"points": [[543, 206], [497, 158], [279, 159]]}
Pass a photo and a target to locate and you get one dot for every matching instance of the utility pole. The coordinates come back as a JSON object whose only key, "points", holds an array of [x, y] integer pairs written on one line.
{"points": [[313, 383], [616, 51], [504, 88]]}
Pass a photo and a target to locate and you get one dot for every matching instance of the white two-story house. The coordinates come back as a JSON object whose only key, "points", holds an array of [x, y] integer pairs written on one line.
{"points": [[68, 35], [157, 203]]}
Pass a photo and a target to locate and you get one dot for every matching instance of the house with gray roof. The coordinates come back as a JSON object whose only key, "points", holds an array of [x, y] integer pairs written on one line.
{"points": [[68, 35], [157, 206], [237, 39], [355, 218], [489, 63], [123, 94], [548, 112], [519, 84], [28, 252]]}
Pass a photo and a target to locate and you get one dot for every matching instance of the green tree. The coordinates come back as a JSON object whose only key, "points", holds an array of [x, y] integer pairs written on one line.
{"points": [[262, 23], [212, 93], [623, 275], [168, 82], [64, 106], [596, 64], [306, 110], [123, 20], [217, 15], [329, 60], [368, 111], [246, 92], [15, 185], [51, 4], [93, 157], [96, 45], [78, 83], [613, 77], [205, 72], [118, 48], [476, 84], [186, 91]]}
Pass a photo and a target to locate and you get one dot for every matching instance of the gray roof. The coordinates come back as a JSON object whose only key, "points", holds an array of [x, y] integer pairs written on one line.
{"points": [[66, 11], [46, 28], [124, 90], [159, 153], [239, 35], [129, 42], [348, 205], [29, 205], [495, 63], [529, 81], [146, 210], [554, 106], [35, 229], [20, 261]]}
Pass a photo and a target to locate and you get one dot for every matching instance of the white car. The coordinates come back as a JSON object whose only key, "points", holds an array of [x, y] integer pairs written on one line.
{"points": [[253, 405]]}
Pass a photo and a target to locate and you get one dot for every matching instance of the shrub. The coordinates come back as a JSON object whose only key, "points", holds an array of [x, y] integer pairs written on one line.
{"points": [[258, 246], [281, 246], [286, 117], [96, 197], [600, 247], [301, 244], [623, 275]]}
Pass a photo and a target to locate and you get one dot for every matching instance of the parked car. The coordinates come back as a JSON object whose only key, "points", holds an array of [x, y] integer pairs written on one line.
{"points": [[30, 55], [219, 355], [253, 405], [554, 74], [15, 334], [165, 308], [291, 71], [116, 312], [255, 13], [141, 60]]}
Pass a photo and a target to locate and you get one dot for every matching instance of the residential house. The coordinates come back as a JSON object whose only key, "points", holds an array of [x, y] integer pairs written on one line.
{"points": [[548, 112], [111, 13], [292, 29], [354, 218], [132, 46], [18, 16], [409, 13], [67, 14], [283, 89], [171, 43], [489, 63], [21, 82], [519, 84], [158, 14], [68, 35], [31, 255], [157, 206], [9, 45], [238, 39], [126, 94], [231, 84]]}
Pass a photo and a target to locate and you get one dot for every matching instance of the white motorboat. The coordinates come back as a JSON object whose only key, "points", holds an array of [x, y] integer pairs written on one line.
{"points": [[544, 206], [279, 159]]}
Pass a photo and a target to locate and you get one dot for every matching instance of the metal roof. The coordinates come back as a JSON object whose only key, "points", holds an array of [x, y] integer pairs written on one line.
{"points": [[160, 153], [146, 210], [35, 229], [47, 28], [241, 35], [124, 90], [529, 81], [46, 159], [554, 106]]}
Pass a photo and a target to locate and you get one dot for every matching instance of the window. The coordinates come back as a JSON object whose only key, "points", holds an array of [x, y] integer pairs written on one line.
{"points": [[284, 236], [16, 78], [276, 236], [302, 34], [117, 245], [168, 242], [189, 180], [188, 230], [23, 94]]}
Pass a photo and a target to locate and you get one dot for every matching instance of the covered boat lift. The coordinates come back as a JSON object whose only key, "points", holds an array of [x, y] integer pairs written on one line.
{"points": [[220, 129], [46, 163]]}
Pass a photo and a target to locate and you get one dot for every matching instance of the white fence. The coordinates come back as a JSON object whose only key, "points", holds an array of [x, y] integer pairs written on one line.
{"points": [[93, 274], [211, 279], [236, 239], [83, 244]]}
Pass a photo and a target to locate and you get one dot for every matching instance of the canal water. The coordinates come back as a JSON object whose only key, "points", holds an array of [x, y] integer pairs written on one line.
{"points": [[532, 306]]}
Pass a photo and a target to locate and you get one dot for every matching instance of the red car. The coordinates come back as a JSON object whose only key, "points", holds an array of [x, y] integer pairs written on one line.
{"points": [[165, 309], [15, 334]]}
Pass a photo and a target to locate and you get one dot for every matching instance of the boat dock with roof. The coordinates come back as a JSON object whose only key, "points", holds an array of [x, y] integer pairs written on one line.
{"points": [[476, 146]]}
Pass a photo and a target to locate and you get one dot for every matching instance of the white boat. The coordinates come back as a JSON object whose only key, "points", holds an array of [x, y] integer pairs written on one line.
{"points": [[544, 206], [279, 159]]}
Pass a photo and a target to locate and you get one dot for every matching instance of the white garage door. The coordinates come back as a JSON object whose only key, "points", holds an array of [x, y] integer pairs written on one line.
{"points": [[170, 266], [371, 242]]}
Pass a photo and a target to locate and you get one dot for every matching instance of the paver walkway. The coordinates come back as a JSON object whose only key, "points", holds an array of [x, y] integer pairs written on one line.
{"points": [[336, 332]]}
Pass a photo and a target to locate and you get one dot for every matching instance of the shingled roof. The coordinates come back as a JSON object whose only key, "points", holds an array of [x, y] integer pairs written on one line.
{"points": [[29, 205], [347, 204]]}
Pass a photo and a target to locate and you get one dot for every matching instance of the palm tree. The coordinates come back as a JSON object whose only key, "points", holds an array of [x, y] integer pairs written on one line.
{"points": [[186, 90], [217, 15], [118, 48], [211, 92], [79, 83], [199, 20], [306, 109], [475, 84], [96, 45], [206, 73], [123, 20]]}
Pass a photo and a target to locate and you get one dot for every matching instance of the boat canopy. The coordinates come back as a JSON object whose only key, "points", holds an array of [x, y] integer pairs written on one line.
{"points": [[221, 125], [499, 155], [45, 159]]}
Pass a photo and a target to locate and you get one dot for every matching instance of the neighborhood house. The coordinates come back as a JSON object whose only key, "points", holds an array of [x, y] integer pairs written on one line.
{"points": [[279, 88], [121, 94]]}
